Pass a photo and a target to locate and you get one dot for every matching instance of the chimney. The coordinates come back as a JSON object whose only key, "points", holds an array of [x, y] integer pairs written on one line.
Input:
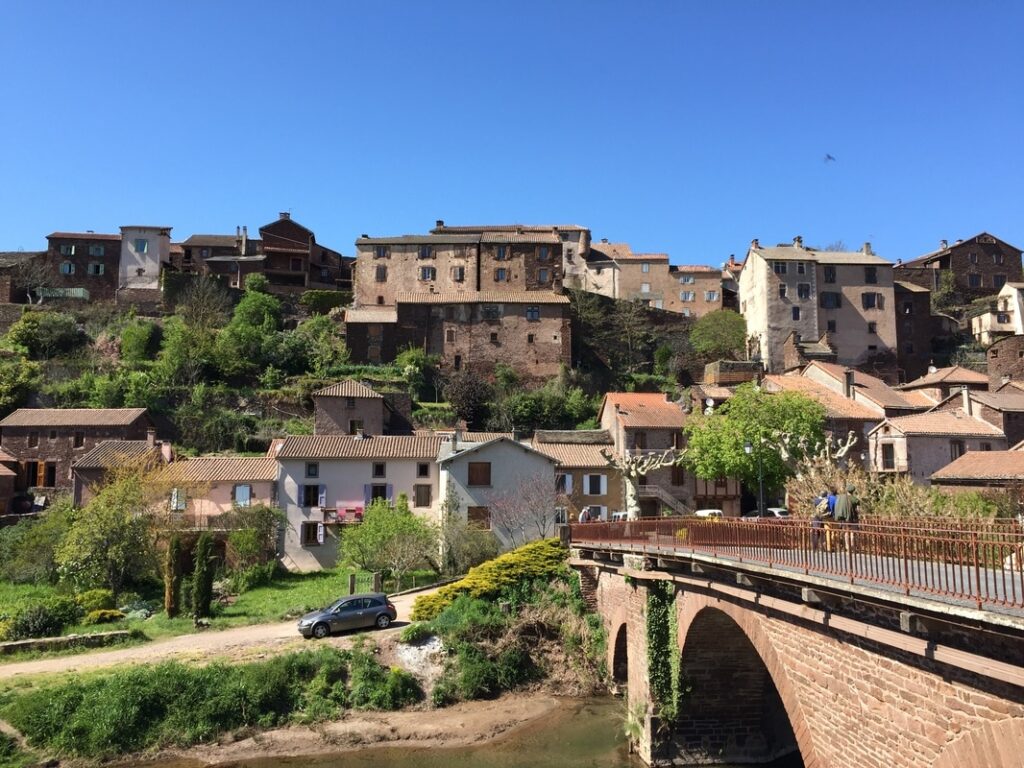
{"points": [[519, 229], [967, 400], [238, 232], [604, 239], [867, 249], [151, 438], [848, 383], [166, 451], [798, 242], [285, 215], [1005, 379], [439, 223], [245, 240], [360, 435], [958, 241], [943, 245], [456, 436], [755, 244], [931, 366]]}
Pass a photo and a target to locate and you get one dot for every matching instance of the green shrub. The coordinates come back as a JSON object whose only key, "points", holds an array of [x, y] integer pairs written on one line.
{"points": [[202, 576], [468, 619], [476, 676], [322, 302], [416, 633], [374, 687], [252, 577], [537, 560], [46, 334], [95, 600], [102, 616], [140, 341], [47, 618]]}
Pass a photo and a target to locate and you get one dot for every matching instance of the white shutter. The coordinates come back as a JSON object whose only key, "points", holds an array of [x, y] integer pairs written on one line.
{"points": [[568, 484], [319, 533], [604, 486]]}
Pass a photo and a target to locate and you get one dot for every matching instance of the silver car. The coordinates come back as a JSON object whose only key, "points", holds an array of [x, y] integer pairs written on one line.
{"points": [[372, 609]]}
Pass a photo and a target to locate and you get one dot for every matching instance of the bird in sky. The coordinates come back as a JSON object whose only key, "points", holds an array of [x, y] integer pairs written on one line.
{"points": [[829, 159]]}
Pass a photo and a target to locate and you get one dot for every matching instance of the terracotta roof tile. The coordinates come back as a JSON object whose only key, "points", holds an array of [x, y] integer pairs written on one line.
{"points": [[482, 297], [510, 228], [212, 469], [984, 465], [836, 406], [73, 417], [371, 315], [644, 409], [573, 436], [523, 237], [792, 253], [574, 455], [113, 453], [347, 388], [81, 236], [351, 447], [1005, 400], [952, 375], [873, 388], [951, 423]]}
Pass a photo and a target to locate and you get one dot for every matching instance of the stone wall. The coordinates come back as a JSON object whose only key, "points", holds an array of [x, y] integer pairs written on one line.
{"points": [[1005, 358]]}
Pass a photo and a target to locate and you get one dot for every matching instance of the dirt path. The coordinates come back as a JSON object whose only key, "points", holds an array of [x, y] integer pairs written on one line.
{"points": [[239, 643]]}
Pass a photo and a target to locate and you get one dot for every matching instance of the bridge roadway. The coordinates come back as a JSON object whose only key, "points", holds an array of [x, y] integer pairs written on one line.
{"points": [[975, 567]]}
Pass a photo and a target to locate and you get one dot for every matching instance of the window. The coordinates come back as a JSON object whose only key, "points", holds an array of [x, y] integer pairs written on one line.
{"points": [[325, 275], [67, 250], [490, 311], [595, 485], [986, 446], [872, 347], [870, 274], [831, 300], [686, 312], [494, 337], [1002, 318], [33, 439], [888, 456], [380, 492], [801, 268], [178, 500], [241, 495], [561, 515], [829, 273], [998, 281], [645, 267], [67, 268], [428, 273], [449, 335], [640, 440], [908, 307], [657, 303], [350, 402], [500, 275], [312, 469], [872, 327], [421, 495], [997, 258], [380, 274], [457, 363], [380, 469], [972, 257], [204, 253], [782, 290], [53, 435], [312, 534], [502, 253], [779, 267], [355, 426], [803, 290], [871, 300], [956, 449], [479, 473], [687, 295], [479, 517], [710, 295], [796, 313], [686, 280], [645, 287], [678, 476], [542, 275], [96, 250], [311, 495], [533, 313], [458, 274], [296, 264], [563, 484], [831, 326], [380, 252], [79, 439], [426, 252], [974, 280], [544, 253], [95, 269], [141, 245], [449, 313], [423, 469]]}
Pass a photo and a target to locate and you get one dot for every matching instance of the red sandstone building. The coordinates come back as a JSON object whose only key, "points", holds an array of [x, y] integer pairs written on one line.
{"points": [[980, 265]]}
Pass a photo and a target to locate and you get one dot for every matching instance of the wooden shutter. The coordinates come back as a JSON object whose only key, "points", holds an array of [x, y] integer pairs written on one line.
{"points": [[604, 485], [367, 494], [390, 491], [321, 496]]}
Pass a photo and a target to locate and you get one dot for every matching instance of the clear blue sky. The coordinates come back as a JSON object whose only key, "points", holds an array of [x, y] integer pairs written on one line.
{"points": [[681, 127]]}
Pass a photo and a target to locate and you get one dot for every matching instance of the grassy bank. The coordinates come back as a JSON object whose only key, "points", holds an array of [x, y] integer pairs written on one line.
{"points": [[173, 705]]}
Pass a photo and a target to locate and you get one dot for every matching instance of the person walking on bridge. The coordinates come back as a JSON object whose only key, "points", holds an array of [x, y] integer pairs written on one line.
{"points": [[846, 514]]}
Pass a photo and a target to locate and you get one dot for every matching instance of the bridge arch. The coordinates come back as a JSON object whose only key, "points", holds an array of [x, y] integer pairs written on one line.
{"points": [[620, 657], [742, 706]]}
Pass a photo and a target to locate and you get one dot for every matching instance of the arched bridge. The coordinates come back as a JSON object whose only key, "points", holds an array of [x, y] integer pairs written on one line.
{"points": [[898, 644]]}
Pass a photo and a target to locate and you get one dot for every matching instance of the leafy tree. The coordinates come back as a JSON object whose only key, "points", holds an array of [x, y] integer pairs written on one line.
{"points": [[392, 539], [202, 576], [172, 577], [46, 334], [463, 544], [19, 377], [469, 396], [719, 335], [139, 341], [945, 298], [715, 443], [316, 346], [28, 549], [109, 543], [246, 344], [186, 356], [420, 371]]}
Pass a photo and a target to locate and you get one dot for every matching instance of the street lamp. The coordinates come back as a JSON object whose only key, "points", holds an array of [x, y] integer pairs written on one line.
{"points": [[748, 449]]}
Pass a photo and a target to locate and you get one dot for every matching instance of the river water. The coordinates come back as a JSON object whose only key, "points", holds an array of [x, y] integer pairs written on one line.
{"points": [[585, 734]]}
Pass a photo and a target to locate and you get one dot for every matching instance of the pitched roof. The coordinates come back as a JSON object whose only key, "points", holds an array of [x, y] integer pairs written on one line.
{"points": [[644, 409], [836, 406], [352, 447], [703, 268], [509, 228], [792, 253], [81, 236], [611, 250], [446, 455], [73, 417], [573, 436], [873, 388], [520, 237], [984, 465], [482, 297], [953, 375], [714, 391], [643, 257], [214, 241], [931, 255], [420, 240], [113, 453], [574, 455], [371, 315], [952, 423], [211, 469], [347, 388], [901, 285], [1006, 400]]}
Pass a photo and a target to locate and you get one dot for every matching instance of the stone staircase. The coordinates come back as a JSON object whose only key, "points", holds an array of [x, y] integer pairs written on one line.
{"points": [[666, 498]]}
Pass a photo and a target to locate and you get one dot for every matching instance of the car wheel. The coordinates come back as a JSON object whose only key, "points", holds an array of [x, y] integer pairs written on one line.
{"points": [[383, 621], [320, 631]]}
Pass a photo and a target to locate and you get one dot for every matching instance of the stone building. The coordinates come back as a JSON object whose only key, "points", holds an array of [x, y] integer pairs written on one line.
{"points": [[91, 470], [847, 295], [980, 265], [84, 265], [295, 262], [47, 441], [916, 328], [583, 477], [939, 383], [352, 408], [1005, 359], [1004, 316]]}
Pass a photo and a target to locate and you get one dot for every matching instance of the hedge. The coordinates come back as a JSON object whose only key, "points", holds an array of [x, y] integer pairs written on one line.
{"points": [[541, 559]]}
